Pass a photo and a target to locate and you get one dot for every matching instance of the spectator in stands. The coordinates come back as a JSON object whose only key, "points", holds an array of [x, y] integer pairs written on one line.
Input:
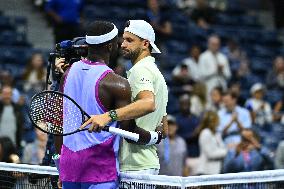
{"points": [[237, 58], [187, 124], [235, 87], [7, 79], [198, 99], [8, 154], [65, 17], [233, 119], [211, 145], [188, 69], [34, 74], [160, 22], [278, 111], [249, 155], [279, 156], [34, 152], [173, 152], [215, 104], [214, 66], [275, 78], [203, 15], [11, 118], [260, 110]]}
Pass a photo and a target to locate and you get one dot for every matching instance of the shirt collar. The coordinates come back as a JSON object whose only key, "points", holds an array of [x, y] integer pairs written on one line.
{"points": [[143, 61]]}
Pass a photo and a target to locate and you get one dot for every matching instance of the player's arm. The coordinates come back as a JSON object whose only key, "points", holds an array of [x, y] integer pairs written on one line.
{"points": [[165, 126], [122, 96], [120, 92], [141, 83]]}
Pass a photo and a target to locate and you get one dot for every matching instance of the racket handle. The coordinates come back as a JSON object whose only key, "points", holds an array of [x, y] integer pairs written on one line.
{"points": [[122, 133]]}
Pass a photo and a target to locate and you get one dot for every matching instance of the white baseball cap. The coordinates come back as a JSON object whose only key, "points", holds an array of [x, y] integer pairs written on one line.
{"points": [[143, 29], [256, 87]]}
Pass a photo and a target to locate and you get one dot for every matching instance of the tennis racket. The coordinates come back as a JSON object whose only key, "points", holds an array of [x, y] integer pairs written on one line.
{"points": [[48, 108]]}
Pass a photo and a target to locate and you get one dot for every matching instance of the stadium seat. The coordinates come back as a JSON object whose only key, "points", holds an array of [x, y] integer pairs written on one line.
{"points": [[226, 19], [138, 13], [263, 51], [175, 46], [180, 32], [273, 96], [96, 12], [119, 12], [173, 104], [260, 65], [171, 60], [247, 20], [5, 23]]}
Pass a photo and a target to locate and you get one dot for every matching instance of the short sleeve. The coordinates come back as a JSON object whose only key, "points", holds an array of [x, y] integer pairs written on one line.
{"points": [[141, 79]]}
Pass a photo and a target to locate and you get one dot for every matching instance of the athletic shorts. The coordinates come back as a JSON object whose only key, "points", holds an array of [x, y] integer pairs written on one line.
{"points": [[80, 185]]}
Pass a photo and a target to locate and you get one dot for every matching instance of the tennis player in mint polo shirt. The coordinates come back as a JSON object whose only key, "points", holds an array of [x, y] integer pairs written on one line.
{"points": [[149, 99]]}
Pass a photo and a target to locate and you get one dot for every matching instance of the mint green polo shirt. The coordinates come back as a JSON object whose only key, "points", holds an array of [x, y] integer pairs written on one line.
{"points": [[145, 76]]}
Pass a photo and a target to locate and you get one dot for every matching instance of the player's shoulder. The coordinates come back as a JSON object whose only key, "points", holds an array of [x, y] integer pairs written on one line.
{"points": [[115, 82]]}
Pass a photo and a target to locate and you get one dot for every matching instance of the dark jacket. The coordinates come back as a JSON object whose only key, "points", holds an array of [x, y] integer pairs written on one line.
{"points": [[19, 121]]}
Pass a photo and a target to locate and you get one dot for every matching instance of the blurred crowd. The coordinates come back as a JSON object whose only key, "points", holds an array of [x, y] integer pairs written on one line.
{"points": [[218, 123]]}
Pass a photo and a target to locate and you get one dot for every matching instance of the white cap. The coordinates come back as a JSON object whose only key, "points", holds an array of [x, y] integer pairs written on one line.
{"points": [[143, 29], [171, 118], [256, 87]]}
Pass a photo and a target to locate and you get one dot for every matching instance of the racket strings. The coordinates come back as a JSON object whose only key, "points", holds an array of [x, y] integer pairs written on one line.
{"points": [[48, 110]]}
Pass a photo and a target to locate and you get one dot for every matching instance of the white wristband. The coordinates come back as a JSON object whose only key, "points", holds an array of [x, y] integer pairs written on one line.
{"points": [[154, 138]]}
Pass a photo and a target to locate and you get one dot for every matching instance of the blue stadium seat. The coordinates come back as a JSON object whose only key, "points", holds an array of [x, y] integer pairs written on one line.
{"points": [[249, 80], [171, 60], [273, 96], [278, 130], [227, 19], [15, 69], [249, 36], [173, 104], [138, 13], [12, 38], [247, 20], [175, 46], [96, 12], [180, 32], [128, 3], [15, 55], [260, 65], [269, 38], [198, 33], [263, 51], [5, 23], [119, 12], [7, 55]]}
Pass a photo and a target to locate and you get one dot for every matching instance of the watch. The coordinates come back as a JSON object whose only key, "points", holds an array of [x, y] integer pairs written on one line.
{"points": [[113, 115]]}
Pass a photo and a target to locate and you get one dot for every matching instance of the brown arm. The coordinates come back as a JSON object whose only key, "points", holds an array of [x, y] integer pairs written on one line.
{"points": [[119, 92]]}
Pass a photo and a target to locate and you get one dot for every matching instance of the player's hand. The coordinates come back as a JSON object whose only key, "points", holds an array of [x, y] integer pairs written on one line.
{"points": [[98, 122], [160, 130], [59, 65]]}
